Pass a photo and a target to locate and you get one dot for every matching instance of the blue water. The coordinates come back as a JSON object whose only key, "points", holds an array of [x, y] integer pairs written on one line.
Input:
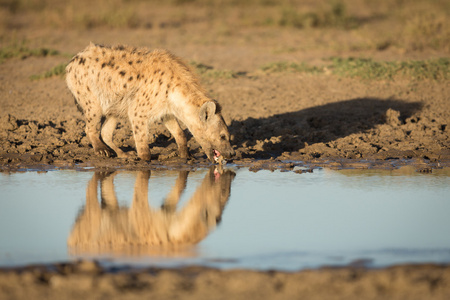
{"points": [[271, 220]]}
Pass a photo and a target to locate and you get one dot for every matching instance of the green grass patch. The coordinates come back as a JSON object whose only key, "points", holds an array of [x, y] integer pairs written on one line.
{"points": [[366, 68], [435, 69], [20, 50], [278, 67], [363, 68], [209, 72], [58, 70]]}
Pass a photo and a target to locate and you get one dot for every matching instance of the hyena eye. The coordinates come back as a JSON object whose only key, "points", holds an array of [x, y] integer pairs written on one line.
{"points": [[223, 137]]}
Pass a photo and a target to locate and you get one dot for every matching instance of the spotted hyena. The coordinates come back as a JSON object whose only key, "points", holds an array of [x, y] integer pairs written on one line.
{"points": [[110, 83]]}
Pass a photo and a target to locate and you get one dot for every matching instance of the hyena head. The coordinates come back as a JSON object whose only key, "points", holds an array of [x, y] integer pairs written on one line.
{"points": [[217, 190], [215, 138]]}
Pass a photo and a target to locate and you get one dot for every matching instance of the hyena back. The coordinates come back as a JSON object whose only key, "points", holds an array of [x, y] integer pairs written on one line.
{"points": [[111, 83]]}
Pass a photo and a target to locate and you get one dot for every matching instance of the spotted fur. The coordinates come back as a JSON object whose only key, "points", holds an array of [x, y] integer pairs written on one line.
{"points": [[112, 83]]}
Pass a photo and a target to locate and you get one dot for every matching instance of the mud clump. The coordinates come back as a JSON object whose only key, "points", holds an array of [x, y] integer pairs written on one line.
{"points": [[393, 117], [8, 122]]}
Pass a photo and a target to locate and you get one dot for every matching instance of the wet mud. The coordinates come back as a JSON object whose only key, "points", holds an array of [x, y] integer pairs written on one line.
{"points": [[87, 280], [375, 132]]}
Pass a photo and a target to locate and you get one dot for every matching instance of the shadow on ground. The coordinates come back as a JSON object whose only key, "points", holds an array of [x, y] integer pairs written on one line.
{"points": [[292, 131]]}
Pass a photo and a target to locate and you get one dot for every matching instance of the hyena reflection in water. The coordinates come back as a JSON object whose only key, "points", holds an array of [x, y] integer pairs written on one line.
{"points": [[140, 229]]}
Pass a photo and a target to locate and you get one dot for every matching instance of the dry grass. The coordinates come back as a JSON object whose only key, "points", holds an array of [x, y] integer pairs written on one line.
{"points": [[401, 26], [412, 24]]}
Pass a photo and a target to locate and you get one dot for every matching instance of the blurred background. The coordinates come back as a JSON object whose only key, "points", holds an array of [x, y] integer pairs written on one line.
{"points": [[404, 25]]}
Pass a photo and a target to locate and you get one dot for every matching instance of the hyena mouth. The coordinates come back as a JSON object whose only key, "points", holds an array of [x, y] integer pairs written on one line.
{"points": [[218, 158]]}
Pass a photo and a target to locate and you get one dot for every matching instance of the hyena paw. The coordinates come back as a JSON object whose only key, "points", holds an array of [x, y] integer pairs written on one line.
{"points": [[184, 153], [128, 154], [102, 175], [104, 151], [145, 156]]}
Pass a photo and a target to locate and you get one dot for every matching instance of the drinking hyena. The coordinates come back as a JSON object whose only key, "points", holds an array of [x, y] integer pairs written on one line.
{"points": [[110, 83]]}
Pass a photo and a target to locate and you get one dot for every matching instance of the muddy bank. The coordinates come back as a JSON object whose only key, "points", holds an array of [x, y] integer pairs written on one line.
{"points": [[87, 280], [296, 119]]}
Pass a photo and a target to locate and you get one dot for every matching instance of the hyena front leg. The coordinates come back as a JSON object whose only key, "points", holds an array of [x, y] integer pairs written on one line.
{"points": [[108, 128], [93, 125], [172, 199], [139, 125], [173, 126]]}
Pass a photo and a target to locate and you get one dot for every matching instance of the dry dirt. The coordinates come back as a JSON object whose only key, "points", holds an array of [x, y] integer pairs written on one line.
{"points": [[277, 120]]}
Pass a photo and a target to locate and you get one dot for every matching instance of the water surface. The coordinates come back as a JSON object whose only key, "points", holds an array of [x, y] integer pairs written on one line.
{"points": [[237, 219]]}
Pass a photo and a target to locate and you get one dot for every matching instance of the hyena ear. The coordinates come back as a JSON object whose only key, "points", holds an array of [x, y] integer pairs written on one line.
{"points": [[207, 110]]}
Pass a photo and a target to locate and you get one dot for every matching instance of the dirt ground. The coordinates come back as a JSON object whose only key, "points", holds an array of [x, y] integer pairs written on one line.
{"points": [[86, 281], [277, 120]]}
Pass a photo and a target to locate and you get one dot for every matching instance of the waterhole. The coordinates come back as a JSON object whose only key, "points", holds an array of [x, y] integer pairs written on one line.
{"points": [[230, 218]]}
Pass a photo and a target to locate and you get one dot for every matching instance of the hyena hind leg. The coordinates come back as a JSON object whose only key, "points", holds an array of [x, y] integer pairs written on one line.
{"points": [[180, 138], [107, 131]]}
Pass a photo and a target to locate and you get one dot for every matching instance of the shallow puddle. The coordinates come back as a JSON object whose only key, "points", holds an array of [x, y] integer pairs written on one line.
{"points": [[226, 219]]}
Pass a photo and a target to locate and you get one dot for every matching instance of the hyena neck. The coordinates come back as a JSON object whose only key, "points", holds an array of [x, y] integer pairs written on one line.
{"points": [[187, 110]]}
